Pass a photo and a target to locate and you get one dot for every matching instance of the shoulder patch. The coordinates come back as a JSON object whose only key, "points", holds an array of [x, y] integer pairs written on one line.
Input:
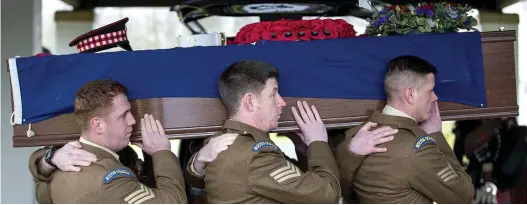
{"points": [[421, 141], [260, 145], [115, 173]]}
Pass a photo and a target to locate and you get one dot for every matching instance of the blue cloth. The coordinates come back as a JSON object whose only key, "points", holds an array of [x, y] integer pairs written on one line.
{"points": [[350, 68]]}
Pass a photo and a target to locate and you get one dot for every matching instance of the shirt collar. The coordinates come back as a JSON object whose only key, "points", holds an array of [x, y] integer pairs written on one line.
{"points": [[389, 110], [82, 140], [245, 129]]}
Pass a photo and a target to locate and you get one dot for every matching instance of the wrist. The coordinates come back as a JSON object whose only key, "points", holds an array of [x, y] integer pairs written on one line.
{"points": [[49, 156], [432, 131], [199, 158], [44, 168], [151, 153], [197, 166], [199, 162], [354, 151]]}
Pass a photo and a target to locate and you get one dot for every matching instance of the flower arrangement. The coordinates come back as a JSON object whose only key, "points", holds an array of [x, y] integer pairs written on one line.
{"points": [[294, 30], [421, 18]]}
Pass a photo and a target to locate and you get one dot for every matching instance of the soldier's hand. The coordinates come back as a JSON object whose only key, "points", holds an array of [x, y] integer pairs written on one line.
{"points": [[153, 135], [310, 123], [71, 156], [365, 141], [433, 123], [216, 145], [210, 151]]}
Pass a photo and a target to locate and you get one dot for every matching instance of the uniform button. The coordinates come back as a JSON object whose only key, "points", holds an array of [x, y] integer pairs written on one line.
{"points": [[244, 133]]}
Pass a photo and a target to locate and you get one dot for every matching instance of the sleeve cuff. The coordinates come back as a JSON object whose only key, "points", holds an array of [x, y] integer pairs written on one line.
{"points": [[318, 153], [165, 160], [34, 161], [190, 167], [191, 177]]}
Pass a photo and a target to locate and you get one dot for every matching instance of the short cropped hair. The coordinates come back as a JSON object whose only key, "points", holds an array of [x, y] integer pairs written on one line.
{"points": [[406, 71], [94, 99], [242, 77]]}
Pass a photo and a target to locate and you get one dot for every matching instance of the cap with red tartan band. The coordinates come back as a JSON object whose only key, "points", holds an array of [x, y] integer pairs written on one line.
{"points": [[106, 37]]}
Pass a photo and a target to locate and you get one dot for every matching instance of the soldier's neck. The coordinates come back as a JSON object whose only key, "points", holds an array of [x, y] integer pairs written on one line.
{"points": [[95, 139], [249, 120], [403, 107]]}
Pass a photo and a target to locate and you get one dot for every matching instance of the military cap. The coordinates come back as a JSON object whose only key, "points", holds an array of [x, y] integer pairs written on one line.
{"points": [[106, 37]]}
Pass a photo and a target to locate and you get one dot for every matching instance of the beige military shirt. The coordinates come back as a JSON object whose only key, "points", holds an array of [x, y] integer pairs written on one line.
{"points": [[254, 170], [417, 168], [108, 181]]}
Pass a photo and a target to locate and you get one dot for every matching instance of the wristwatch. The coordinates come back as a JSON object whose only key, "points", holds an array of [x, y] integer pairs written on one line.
{"points": [[49, 155]]}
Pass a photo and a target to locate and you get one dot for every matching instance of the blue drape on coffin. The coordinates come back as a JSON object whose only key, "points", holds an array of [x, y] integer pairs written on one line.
{"points": [[341, 68]]}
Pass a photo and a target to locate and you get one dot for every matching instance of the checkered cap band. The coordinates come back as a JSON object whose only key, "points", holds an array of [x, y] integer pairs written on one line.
{"points": [[101, 40]]}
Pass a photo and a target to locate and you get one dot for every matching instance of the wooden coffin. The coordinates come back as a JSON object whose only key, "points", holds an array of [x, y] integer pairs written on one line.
{"points": [[194, 118]]}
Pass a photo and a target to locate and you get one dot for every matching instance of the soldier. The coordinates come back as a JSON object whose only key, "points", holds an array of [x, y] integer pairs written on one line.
{"points": [[103, 113], [419, 166], [253, 169]]}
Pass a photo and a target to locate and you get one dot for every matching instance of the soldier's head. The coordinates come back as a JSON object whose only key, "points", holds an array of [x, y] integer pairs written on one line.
{"points": [[249, 90], [103, 113], [409, 84]]}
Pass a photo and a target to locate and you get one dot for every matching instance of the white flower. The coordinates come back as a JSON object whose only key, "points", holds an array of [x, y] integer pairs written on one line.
{"points": [[431, 23]]}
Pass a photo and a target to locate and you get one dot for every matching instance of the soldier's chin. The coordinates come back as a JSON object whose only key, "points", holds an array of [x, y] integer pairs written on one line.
{"points": [[274, 125]]}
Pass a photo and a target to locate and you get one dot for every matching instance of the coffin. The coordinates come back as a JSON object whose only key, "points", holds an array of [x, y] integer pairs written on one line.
{"points": [[185, 118]]}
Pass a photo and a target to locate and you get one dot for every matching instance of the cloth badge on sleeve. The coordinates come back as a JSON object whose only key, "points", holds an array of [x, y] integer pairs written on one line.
{"points": [[447, 174], [286, 172], [113, 174], [421, 141], [259, 145]]}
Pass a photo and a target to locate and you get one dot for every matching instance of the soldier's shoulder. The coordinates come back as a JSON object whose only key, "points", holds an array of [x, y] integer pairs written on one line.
{"points": [[403, 142], [107, 164]]}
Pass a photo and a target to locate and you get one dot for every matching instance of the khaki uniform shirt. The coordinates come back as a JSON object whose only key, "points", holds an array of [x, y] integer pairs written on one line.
{"points": [[108, 181], [254, 170], [417, 168]]}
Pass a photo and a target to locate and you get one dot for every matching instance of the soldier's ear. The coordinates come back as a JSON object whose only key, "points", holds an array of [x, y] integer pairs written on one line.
{"points": [[97, 125], [248, 102], [410, 96]]}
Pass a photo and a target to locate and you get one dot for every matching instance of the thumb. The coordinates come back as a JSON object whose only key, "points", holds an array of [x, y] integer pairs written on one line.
{"points": [[368, 126]]}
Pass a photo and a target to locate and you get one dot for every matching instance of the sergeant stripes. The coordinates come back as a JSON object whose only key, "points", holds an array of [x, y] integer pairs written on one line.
{"points": [[140, 196], [447, 174], [284, 173]]}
